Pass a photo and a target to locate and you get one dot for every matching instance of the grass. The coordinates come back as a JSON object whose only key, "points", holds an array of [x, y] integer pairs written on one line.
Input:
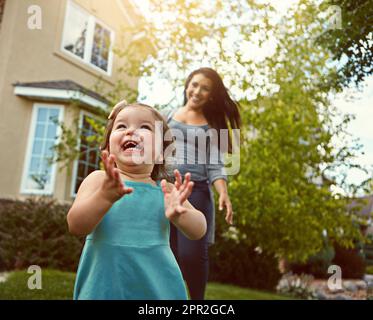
{"points": [[58, 285], [219, 291]]}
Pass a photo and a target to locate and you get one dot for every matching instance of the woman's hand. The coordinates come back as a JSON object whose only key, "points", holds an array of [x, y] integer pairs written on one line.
{"points": [[225, 202], [113, 187], [175, 196]]}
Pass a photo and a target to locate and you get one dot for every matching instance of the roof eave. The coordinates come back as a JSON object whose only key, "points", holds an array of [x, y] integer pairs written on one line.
{"points": [[63, 95]]}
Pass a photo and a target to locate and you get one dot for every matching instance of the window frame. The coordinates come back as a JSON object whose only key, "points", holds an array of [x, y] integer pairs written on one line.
{"points": [[30, 143], [87, 54], [76, 161]]}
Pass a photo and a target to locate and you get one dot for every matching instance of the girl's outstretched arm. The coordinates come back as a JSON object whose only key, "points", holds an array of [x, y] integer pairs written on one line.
{"points": [[95, 196], [190, 221]]}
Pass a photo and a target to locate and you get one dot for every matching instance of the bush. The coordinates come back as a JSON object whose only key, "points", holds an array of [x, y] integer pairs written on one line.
{"points": [[241, 265], [35, 232], [316, 265], [351, 262], [368, 253], [369, 270], [233, 261]]}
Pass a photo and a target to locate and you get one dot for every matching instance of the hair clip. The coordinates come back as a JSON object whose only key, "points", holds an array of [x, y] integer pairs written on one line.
{"points": [[116, 106]]}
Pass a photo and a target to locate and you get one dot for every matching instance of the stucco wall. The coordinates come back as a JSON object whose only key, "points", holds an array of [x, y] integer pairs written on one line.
{"points": [[35, 55]]}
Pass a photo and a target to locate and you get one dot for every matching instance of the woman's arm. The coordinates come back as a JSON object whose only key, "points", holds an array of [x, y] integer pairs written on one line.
{"points": [[224, 201], [217, 176], [191, 222], [95, 196]]}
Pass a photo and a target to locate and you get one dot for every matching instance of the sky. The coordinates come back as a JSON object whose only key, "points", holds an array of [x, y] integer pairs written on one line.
{"points": [[359, 103]]}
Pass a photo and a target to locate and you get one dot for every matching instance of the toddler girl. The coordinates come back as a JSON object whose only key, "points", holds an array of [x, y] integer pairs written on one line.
{"points": [[126, 211]]}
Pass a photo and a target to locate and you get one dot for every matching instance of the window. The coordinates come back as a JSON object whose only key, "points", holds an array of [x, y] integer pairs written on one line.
{"points": [[75, 31], [101, 47], [87, 39], [89, 158], [39, 171]]}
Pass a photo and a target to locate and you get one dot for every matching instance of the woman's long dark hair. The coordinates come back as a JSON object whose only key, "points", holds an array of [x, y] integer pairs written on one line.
{"points": [[221, 112]]}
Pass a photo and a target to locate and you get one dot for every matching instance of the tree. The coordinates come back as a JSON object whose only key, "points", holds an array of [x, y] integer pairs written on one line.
{"points": [[284, 97], [351, 43], [281, 77]]}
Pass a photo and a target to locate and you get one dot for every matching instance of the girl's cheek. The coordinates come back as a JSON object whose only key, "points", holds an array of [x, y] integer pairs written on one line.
{"points": [[115, 135], [158, 148], [148, 140], [151, 145], [114, 140]]}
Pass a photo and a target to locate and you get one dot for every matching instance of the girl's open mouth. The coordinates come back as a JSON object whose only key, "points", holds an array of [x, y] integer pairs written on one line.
{"points": [[131, 146]]}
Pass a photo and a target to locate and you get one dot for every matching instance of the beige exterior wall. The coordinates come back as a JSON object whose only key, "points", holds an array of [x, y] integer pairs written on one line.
{"points": [[35, 55]]}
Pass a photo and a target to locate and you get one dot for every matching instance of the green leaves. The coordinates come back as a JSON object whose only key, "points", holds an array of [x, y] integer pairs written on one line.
{"points": [[282, 77], [352, 45]]}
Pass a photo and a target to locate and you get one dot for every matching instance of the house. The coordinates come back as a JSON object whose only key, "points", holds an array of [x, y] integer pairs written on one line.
{"points": [[364, 209], [52, 53]]}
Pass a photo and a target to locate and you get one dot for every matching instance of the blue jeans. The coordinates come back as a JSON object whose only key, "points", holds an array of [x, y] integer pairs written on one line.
{"points": [[192, 255]]}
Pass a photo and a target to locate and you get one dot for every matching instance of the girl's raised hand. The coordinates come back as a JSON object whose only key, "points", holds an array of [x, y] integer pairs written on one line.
{"points": [[175, 196], [113, 187]]}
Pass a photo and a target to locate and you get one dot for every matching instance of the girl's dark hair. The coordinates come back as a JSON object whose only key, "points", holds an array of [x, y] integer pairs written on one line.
{"points": [[159, 171], [221, 112]]}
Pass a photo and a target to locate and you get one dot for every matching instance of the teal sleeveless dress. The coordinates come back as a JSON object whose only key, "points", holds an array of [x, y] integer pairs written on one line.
{"points": [[128, 255]]}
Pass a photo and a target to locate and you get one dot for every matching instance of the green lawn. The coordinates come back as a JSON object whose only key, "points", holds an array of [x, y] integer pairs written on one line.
{"points": [[218, 291], [59, 285], [55, 285]]}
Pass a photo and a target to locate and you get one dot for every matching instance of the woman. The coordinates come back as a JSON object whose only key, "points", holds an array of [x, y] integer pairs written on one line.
{"points": [[207, 105]]}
